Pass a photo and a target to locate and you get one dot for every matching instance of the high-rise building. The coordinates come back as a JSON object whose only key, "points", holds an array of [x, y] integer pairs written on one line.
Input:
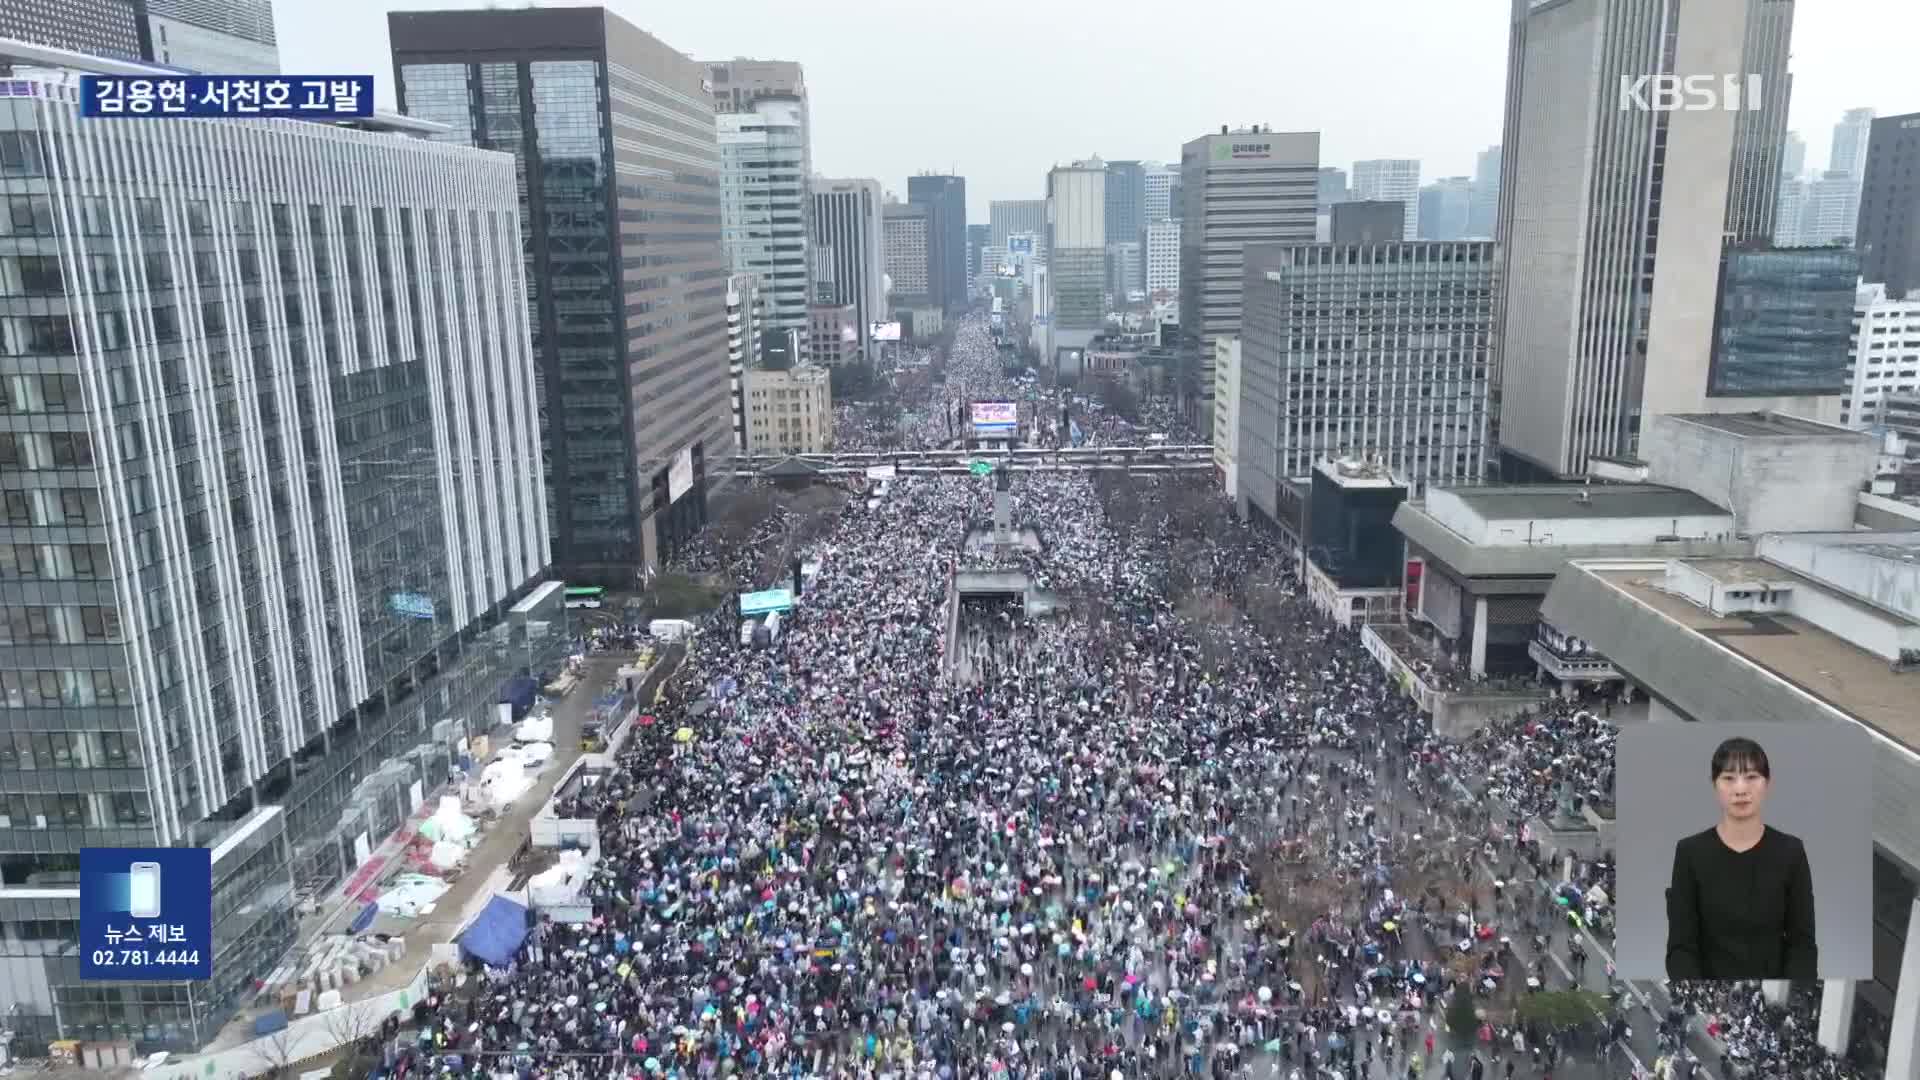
{"points": [[1126, 201], [849, 258], [1005, 217], [1126, 269], [1162, 257], [1077, 266], [1371, 222], [109, 28], [1818, 212], [220, 37], [1793, 157], [1397, 179], [1445, 206], [1240, 187], [744, 312], [1888, 234], [765, 206], [1759, 134], [1320, 381], [1610, 287], [736, 84], [976, 249], [1884, 356], [790, 410], [1483, 208], [1157, 191], [275, 517], [634, 412], [1332, 188], [1851, 138], [945, 198], [1784, 324], [833, 334], [905, 242]]}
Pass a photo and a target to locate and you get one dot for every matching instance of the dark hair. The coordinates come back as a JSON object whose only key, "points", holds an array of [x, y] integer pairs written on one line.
{"points": [[1740, 754]]}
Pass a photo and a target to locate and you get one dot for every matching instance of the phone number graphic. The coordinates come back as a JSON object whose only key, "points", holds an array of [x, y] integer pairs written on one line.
{"points": [[145, 957]]}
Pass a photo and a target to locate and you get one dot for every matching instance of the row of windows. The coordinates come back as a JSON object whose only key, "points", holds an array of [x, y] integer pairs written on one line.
{"points": [[65, 625], [74, 562], [48, 506], [75, 811], [69, 749], [59, 688]]}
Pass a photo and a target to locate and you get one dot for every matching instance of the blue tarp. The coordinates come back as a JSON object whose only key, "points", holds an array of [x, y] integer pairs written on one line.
{"points": [[519, 693], [365, 918], [497, 934], [270, 1023]]}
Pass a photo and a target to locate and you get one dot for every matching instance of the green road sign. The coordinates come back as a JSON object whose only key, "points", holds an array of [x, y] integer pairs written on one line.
{"points": [[980, 468]]}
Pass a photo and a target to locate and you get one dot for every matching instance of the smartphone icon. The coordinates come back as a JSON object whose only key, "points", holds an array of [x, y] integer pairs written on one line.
{"points": [[143, 893]]}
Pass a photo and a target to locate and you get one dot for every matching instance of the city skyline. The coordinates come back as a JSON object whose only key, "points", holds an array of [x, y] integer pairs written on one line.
{"points": [[1443, 106]]}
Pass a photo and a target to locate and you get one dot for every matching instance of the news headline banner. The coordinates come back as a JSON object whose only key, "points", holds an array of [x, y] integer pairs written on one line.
{"points": [[306, 97], [146, 913]]}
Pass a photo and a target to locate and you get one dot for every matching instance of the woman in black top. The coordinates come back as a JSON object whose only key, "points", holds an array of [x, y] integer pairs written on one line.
{"points": [[1740, 904]]}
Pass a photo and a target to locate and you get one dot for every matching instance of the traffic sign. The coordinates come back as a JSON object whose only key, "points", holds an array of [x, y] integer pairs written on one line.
{"points": [[980, 468]]}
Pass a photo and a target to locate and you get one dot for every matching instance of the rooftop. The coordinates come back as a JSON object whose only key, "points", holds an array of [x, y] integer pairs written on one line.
{"points": [[1763, 425], [1496, 501]]}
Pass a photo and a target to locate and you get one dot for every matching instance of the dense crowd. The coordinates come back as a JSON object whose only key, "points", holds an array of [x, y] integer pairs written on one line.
{"points": [[1074, 845]]}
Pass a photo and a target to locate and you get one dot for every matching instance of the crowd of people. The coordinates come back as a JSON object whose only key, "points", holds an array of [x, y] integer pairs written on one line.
{"points": [[1074, 844]]}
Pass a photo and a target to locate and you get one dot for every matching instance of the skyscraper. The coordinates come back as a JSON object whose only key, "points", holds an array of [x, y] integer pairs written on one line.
{"points": [[1445, 206], [1610, 287], [849, 249], [274, 500], [736, 84], [906, 241], [112, 28], [765, 207], [1397, 179], [1239, 187], [1888, 235], [222, 37], [1157, 191], [1077, 265], [1332, 188], [1010, 217], [1793, 157], [1126, 202], [1851, 137], [976, 247], [1483, 206], [634, 411], [945, 198], [1759, 134]]}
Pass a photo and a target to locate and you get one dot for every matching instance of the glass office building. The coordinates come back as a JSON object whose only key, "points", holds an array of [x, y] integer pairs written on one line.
{"points": [[271, 479], [1784, 323]]}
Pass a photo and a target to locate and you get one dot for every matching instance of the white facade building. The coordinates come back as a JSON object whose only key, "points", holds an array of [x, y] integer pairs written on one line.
{"points": [[1885, 356], [1162, 257], [1160, 180], [765, 208], [216, 37], [790, 411], [1226, 414], [1391, 178]]}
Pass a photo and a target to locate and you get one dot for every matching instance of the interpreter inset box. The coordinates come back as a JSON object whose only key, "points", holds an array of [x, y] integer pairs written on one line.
{"points": [[146, 913], [1745, 851]]}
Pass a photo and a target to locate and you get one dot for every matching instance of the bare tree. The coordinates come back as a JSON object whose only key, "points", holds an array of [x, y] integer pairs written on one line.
{"points": [[275, 1053], [349, 1023]]}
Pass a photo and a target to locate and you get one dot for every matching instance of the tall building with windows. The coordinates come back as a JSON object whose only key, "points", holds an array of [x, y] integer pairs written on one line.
{"points": [[1884, 355], [945, 198], [1888, 234], [1332, 188], [1162, 257], [1242, 187], [1784, 326], [1012, 217], [849, 259], [1610, 287], [744, 314], [1445, 206], [790, 411], [271, 543], [219, 37], [110, 28], [1391, 179], [1483, 203], [1323, 378], [1126, 220], [1852, 137], [1156, 189], [905, 230], [1077, 268], [766, 208], [976, 251], [616, 159]]}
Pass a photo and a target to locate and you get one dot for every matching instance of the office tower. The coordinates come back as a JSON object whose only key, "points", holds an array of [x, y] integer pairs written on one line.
{"points": [[1126, 201], [849, 259], [1126, 271], [1818, 212], [634, 412], [272, 494], [790, 411], [1790, 211], [945, 198], [906, 243], [1378, 222], [1391, 178], [109, 28], [1157, 191], [1006, 217], [1851, 139], [1246, 187], [1162, 258], [1612, 220], [1888, 235], [736, 84], [1177, 198], [1793, 157], [1483, 206], [1884, 355], [765, 206], [976, 248], [1077, 267], [744, 312], [1324, 378], [1444, 207], [219, 37], [1759, 134], [1784, 323], [1332, 188]]}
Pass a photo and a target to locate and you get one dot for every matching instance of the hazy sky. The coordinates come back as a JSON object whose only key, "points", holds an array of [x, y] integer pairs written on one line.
{"points": [[999, 91]]}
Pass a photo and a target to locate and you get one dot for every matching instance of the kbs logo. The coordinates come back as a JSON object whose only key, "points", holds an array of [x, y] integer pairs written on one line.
{"points": [[1690, 93]]}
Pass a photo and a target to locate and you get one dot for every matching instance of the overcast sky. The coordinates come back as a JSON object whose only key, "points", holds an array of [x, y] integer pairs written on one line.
{"points": [[1000, 91]]}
